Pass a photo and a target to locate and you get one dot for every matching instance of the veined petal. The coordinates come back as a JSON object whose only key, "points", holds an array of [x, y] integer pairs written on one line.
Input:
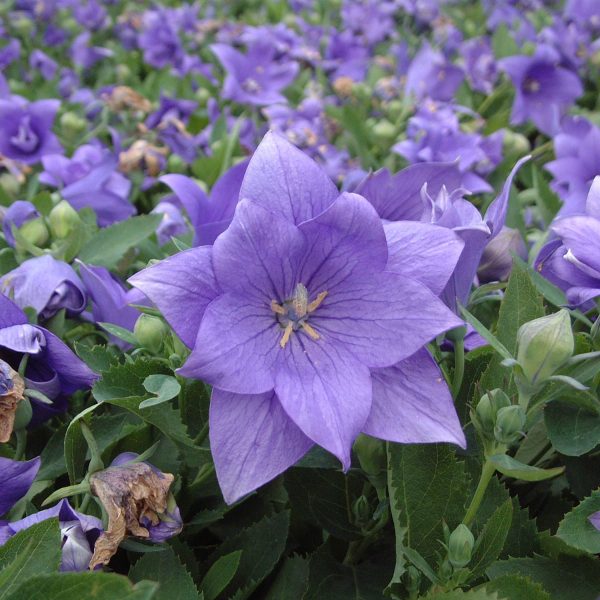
{"points": [[181, 286], [10, 313], [252, 441], [325, 391], [22, 338], [15, 480], [412, 404], [283, 179], [237, 345], [423, 252]]}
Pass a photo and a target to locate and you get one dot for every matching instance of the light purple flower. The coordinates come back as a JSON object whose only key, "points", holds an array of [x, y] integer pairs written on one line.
{"points": [[172, 224], [159, 39], [16, 478], [295, 315], [543, 89], [255, 78], [45, 284], [86, 56], [496, 260], [26, 129], [43, 63], [480, 65]]}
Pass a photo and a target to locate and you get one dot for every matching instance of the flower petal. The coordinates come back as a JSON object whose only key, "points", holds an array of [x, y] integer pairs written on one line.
{"points": [[15, 480], [252, 441], [412, 404], [181, 286]]}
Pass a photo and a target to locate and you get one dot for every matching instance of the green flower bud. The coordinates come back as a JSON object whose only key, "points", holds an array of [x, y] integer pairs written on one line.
{"points": [[487, 410], [10, 184], [460, 546], [384, 131], [23, 26], [371, 454], [361, 510], [34, 231], [175, 164], [510, 422], [395, 107], [545, 344], [23, 414], [63, 220], [150, 332], [123, 72], [202, 95], [72, 124], [515, 144]]}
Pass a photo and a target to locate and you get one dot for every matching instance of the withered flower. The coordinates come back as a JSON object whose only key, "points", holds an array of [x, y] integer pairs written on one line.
{"points": [[143, 154], [122, 97], [137, 500], [12, 388]]}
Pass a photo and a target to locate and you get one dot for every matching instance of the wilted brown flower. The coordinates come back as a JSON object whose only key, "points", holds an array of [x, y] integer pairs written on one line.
{"points": [[133, 495], [142, 154], [343, 86], [12, 388], [122, 97]]}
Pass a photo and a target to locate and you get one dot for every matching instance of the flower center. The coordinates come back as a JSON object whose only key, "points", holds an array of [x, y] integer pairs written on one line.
{"points": [[252, 86], [532, 85], [294, 312], [26, 140]]}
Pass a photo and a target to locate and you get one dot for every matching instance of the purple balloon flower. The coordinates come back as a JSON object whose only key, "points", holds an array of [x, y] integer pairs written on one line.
{"points": [[90, 179], [16, 215], [79, 533], [255, 78], [209, 216], [309, 331], [543, 89], [43, 63], [16, 478], [26, 129], [52, 368], [45, 284]]}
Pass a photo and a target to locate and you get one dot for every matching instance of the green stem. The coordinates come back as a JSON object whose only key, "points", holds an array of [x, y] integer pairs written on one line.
{"points": [[487, 472], [459, 366], [21, 435]]}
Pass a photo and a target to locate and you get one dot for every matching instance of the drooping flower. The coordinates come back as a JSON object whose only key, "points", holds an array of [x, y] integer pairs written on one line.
{"points": [[256, 78], [26, 129], [52, 368], [543, 89], [12, 388], [45, 284], [300, 316], [136, 497], [79, 533], [16, 478], [496, 260]]}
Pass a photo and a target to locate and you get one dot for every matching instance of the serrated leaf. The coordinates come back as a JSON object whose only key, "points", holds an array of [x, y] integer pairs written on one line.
{"points": [[262, 545], [431, 487], [513, 468], [37, 550], [577, 531], [84, 586], [291, 580], [490, 542], [165, 388], [517, 587], [175, 583], [220, 574], [107, 247], [572, 430], [97, 358], [480, 594], [562, 577]]}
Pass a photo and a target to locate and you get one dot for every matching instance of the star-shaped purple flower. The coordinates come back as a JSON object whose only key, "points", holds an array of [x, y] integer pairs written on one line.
{"points": [[296, 320]]}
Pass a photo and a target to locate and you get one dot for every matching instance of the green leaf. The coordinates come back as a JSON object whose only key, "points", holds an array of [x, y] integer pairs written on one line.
{"points": [[37, 550], [97, 358], [513, 468], [291, 580], [220, 574], [491, 541], [175, 583], [430, 486], [120, 332], [166, 387], [553, 294], [480, 594], [572, 430], [84, 586], [75, 446], [486, 334], [577, 531], [107, 247], [262, 545], [517, 587], [562, 577]]}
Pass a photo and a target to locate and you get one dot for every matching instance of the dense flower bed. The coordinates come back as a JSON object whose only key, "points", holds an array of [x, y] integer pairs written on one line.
{"points": [[299, 299]]}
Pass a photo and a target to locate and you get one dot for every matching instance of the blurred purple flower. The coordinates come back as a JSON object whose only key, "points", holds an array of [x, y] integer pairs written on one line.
{"points": [[91, 15], [543, 89], [45, 284], [496, 260], [172, 224], [84, 55], [255, 78], [26, 129], [43, 63], [480, 65], [159, 39], [311, 332], [9, 53], [15, 479]]}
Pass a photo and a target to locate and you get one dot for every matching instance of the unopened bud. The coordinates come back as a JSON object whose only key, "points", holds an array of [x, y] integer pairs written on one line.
{"points": [[510, 422], [545, 344], [9, 184], [63, 220], [371, 454], [487, 410], [515, 144], [150, 332], [361, 510], [35, 232], [384, 131], [176, 164], [460, 546], [72, 124]]}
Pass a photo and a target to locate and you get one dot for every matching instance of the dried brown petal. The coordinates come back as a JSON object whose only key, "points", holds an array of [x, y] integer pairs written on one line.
{"points": [[142, 153], [343, 86], [122, 97], [129, 493], [8, 405]]}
